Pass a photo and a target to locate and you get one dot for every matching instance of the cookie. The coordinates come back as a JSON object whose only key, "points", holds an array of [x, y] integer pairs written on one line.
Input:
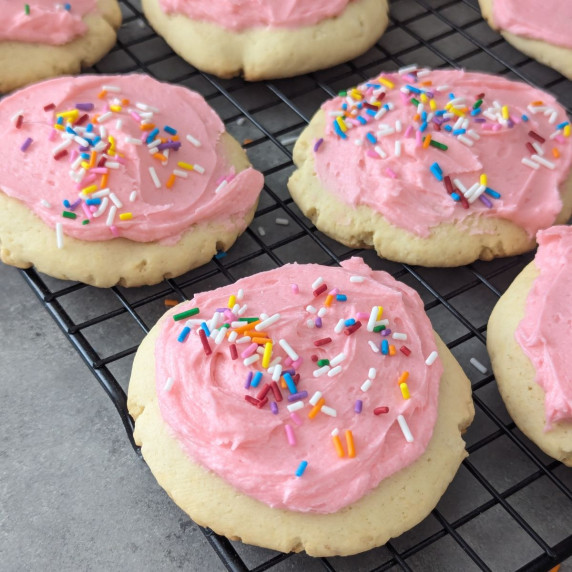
{"points": [[527, 340], [538, 29], [266, 39], [436, 168], [118, 180], [291, 411], [43, 39]]}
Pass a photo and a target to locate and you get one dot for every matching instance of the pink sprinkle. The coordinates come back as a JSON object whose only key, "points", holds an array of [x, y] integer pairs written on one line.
{"points": [[121, 160], [106, 107], [229, 178], [296, 364], [143, 137], [249, 351], [296, 418], [92, 208], [86, 210], [371, 153], [391, 173], [418, 138], [290, 434], [515, 120], [334, 292], [136, 116], [487, 126], [404, 97], [99, 170], [497, 127], [560, 139], [52, 135], [294, 288], [288, 361], [114, 230], [85, 181], [220, 180], [362, 316], [74, 155], [408, 131]]}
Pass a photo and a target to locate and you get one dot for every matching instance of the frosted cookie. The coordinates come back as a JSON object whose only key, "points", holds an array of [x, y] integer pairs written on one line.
{"points": [[290, 410], [437, 168], [528, 338], [45, 38], [538, 29], [118, 180], [265, 39]]}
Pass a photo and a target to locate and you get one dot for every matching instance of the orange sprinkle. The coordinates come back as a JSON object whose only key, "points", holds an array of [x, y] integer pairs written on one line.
{"points": [[338, 445], [403, 377], [170, 181], [246, 327], [426, 141], [175, 138], [147, 127], [316, 409], [427, 82], [417, 117], [537, 103], [555, 152], [247, 141], [255, 333], [102, 94], [329, 300], [170, 302], [92, 159], [391, 350], [261, 341], [159, 156], [350, 444], [103, 182], [555, 569], [125, 102], [283, 383]]}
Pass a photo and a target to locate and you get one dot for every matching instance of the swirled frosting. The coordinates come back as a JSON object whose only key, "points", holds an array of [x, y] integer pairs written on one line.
{"points": [[48, 22], [544, 332], [134, 157], [242, 14], [375, 150], [258, 449], [548, 20]]}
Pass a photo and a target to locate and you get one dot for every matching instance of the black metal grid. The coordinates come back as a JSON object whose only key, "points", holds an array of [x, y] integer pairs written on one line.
{"points": [[509, 507]]}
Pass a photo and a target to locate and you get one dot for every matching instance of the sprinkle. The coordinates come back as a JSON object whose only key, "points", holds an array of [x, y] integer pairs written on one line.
{"points": [[373, 347], [315, 398], [436, 170], [26, 144], [59, 235], [545, 162], [438, 145], [356, 279], [154, 176], [169, 384], [322, 342], [350, 444], [184, 334], [478, 365], [526, 161], [296, 396], [351, 329], [337, 443], [297, 405], [290, 383], [282, 221], [399, 336], [404, 390], [338, 359], [290, 434], [250, 360], [334, 371], [221, 186], [268, 322], [301, 468], [405, 428], [321, 371], [381, 410], [536, 136], [288, 349], [318, 144], [366, 385], [330, 411], [405, 350], [186, 314], [256, 381]]}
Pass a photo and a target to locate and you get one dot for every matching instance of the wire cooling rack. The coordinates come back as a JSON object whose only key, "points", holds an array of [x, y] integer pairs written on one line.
{"points": [[510, 506]]}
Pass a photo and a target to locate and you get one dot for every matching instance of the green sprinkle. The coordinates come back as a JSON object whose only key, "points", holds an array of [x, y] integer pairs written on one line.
{"points": [[441, 146], [85, 221], [225, 326], [378, 328], [342, 93], [323, 362], [186, 314], [249, 320], [478, 104], [27, 9], [68, 214], [414, 101]]}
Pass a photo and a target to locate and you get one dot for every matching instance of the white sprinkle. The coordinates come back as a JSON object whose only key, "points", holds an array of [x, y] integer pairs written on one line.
{"points": [[357, 278], [405, 428], [366, 385], [66, 143], [289, 140], [539, 150], [460, 186], [372, 373], [398, 126], [382, 323], [155, 177], [398, 148], [115, 200], [478, 365], [321, 371], [543, 161], [242, 310], [268, 322], [14, 117], [59, 235], [77, 163], [282, 221], [526, 161], [336, 113], [471, 190], [101, 208], [252, 359], [407, 69], [145, 107], [311, 309], [334, 371], [113, 88], [236, 308], [553, 117], [111, 215], [232, 337], [104, 117], [423, 73], [288, 349], [151, 146], [465, 140], [198, 168], [338, 359], [472, 133], [118, 124], [240, 294], [295, 406], [240, 120], [399, 336], [441, 87], [81, 141], [132, 196], [275, 362], [322, 312], [263, 316], [385, 132], [380, 151], [372, 318], [373, 347], [221, 186], [329, 411], [477, 194], [194, 141], [339, 326], [133, 141], [220, 336], [315, 398], [318, 282], [46, 204], [112, 165], [179, 173], [277, 372], [335, 432], [261, 231], [243, 340], [169, 384], [555, 134]]}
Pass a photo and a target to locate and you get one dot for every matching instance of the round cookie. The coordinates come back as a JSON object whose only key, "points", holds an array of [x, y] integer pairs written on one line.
{"points": [[540, 30], [527, 340], [229, 456], [436, 168], [49, 40], [267, 40], [118, 180]]}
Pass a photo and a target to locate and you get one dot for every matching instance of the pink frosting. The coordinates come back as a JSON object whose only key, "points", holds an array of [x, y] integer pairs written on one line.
{"points": [[548, 20], [37, 177], [47, 23], [544, 332], [401, 185], [238, 15], [248, 447]]}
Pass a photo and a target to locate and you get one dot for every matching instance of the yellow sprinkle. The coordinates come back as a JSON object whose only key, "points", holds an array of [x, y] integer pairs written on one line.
{"points": [[356, 94], [59, 127], [267, 354], [483, 180], [342, 124], [231, 301], [386, 82], [90, 189], [504, 111], [338, 445], [424, 97], [186, 166], [432, 105], [566, 130], [126, 216], [448, 106], [115, 108], [404, 390], [72, 113], [379, 312], [85, 165], [350, 444], [458, 112]]}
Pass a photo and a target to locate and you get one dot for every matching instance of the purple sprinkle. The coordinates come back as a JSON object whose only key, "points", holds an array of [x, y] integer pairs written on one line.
{"points": [[385, 332], [318, 322], [358, 406], [480, 120], [221, 310], [84, 149], [274, 407], [291, 371], [318, 143], [486, 201], [84, 106], [26, 144], [510, 123], [175, 145], [297, 396], [248, 380], [437, 120], [74, 206]]}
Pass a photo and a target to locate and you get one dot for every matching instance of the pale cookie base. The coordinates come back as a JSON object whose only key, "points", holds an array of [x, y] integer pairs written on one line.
{"points": [[24, 63], [515, 374], [262, 53], [396, 505], [449, 244], [556, 57], [25, 240]]}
